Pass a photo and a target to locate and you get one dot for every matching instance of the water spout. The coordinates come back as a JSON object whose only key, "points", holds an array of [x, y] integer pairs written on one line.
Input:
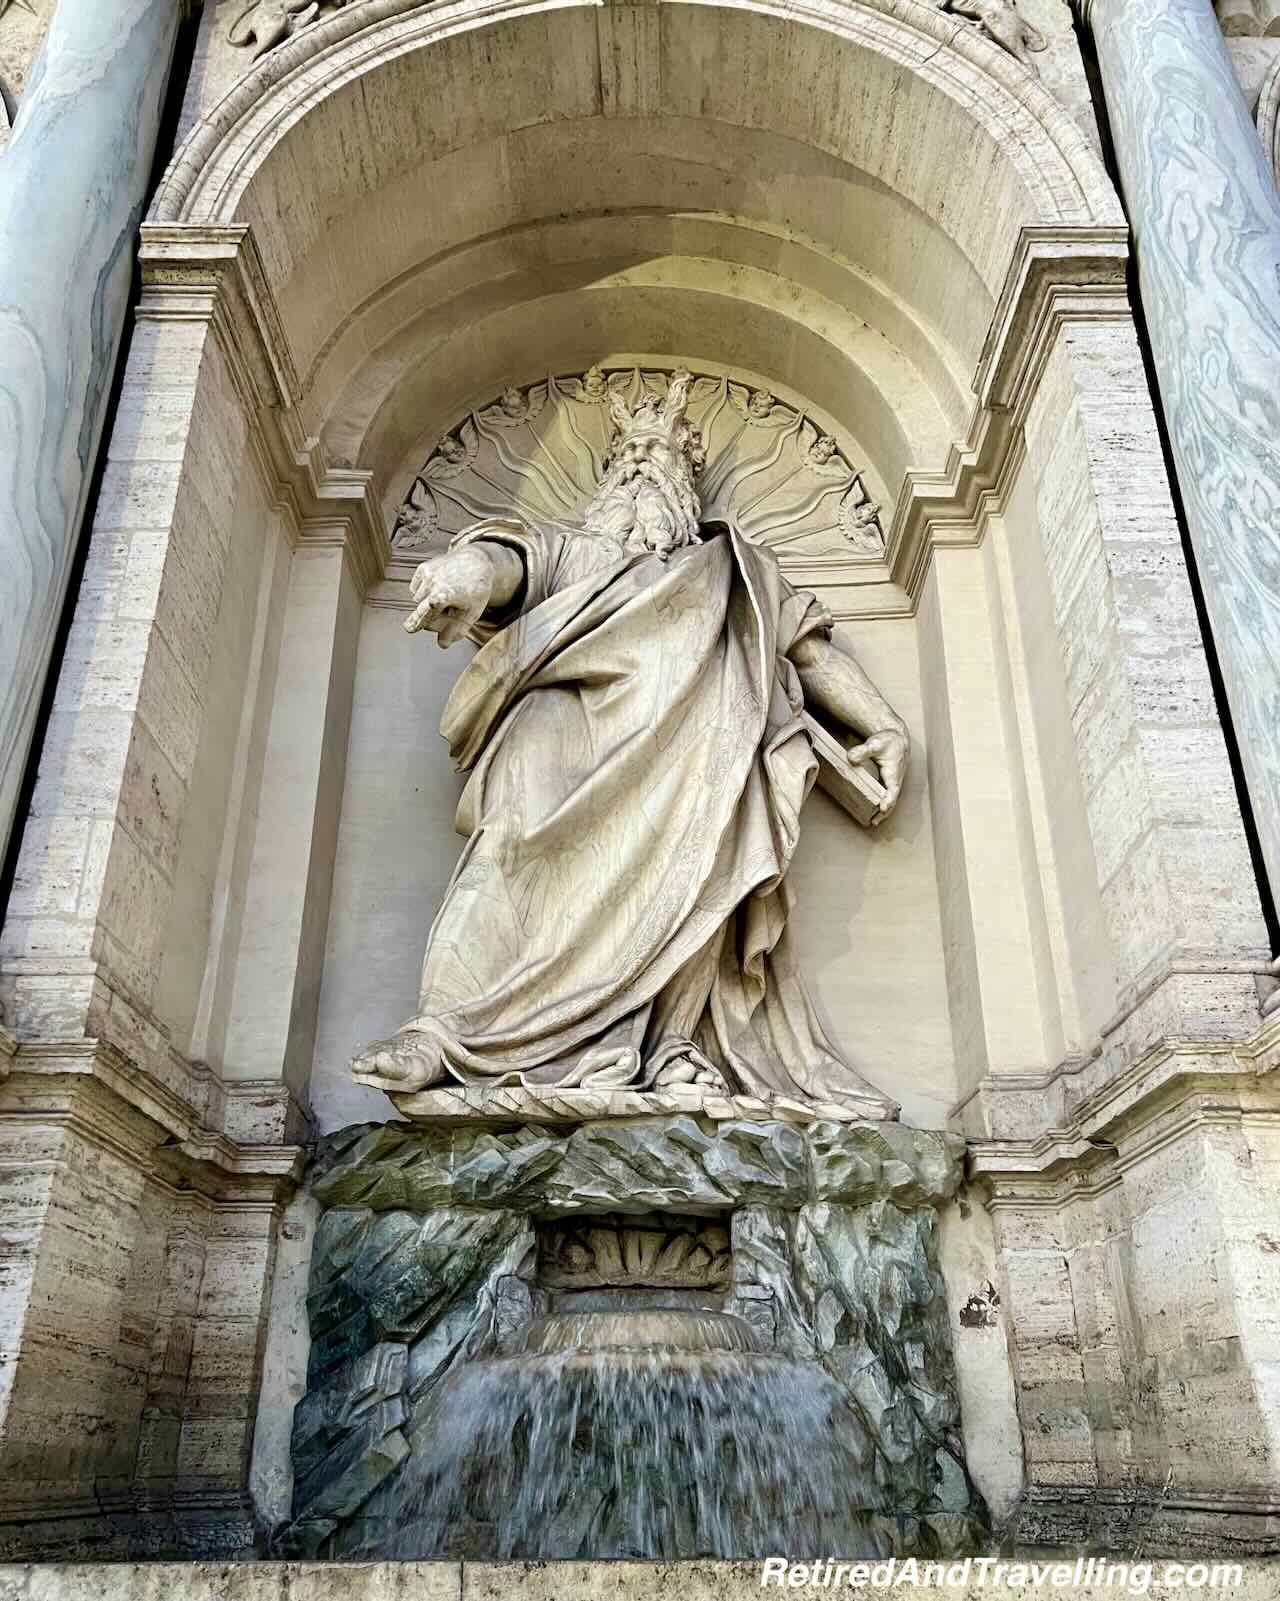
{"points": [[649, 1434]]}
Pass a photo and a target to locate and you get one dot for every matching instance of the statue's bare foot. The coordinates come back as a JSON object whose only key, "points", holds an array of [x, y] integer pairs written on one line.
{"points": [[403, 1064], [691, 1068]]}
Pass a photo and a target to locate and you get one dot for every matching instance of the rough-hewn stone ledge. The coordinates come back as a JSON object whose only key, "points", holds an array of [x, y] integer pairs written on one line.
{"points": [[639, 1165]]}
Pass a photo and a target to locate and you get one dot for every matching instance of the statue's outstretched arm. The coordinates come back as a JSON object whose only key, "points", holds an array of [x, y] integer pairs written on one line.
{"points": [[453, 591], [833, 681]]}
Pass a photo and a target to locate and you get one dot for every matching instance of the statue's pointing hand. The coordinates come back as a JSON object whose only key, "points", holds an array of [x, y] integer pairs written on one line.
{"points": [[453, 592], [889, 751]]}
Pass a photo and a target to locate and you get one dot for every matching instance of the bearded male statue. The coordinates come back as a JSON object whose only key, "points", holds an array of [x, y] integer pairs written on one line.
{"points": [[632, 726]]}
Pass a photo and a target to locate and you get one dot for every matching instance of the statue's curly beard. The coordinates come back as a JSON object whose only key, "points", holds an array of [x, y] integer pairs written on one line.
{"points": [[644, 507]]}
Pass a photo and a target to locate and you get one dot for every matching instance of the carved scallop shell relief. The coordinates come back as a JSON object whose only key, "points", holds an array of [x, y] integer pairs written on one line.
{"points": [[539, 452]]}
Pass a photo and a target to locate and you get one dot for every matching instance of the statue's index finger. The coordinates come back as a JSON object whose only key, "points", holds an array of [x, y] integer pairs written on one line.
{"points": [[422, 615]]}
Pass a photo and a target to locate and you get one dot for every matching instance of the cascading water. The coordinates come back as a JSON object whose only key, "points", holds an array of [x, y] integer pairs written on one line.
{"points": [[660, 1434]]}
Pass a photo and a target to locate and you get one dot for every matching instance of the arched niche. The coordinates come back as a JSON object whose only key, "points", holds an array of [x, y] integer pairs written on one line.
{"points": [[445, 200]]}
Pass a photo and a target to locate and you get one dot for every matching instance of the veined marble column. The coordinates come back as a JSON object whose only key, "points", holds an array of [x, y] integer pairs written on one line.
{"points": [[1205, 215], [72, 185]]}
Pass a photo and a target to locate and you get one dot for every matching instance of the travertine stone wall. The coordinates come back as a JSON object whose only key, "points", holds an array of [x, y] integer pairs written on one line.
{"points": [[1141, 1287], [134, 1277], [144, 1188], [82, 942], [1185, 938]]}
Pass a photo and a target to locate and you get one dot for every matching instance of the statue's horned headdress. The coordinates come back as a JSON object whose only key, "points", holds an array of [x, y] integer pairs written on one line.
{"points": [[660, 421], [647, 496]]}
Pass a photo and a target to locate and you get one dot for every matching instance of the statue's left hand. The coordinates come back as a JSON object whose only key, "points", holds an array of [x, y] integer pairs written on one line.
{"points": [[889, 750]]}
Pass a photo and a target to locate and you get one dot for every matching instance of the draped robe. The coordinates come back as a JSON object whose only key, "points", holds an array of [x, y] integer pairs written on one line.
{"points": [[637, 768]]}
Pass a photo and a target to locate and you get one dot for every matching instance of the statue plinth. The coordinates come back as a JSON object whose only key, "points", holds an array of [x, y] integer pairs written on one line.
{"points": [[504, 1106]]}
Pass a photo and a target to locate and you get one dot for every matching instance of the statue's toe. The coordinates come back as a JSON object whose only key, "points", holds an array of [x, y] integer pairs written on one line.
{"points": [[400, 1064], [691, 1068], [679, 1071]]}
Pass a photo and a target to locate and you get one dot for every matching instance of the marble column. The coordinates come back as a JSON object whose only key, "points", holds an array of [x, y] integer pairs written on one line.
{"points": [[1205, 215], [72, 185]]}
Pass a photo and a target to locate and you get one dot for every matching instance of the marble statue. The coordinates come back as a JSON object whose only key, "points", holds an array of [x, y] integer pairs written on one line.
{"points": [[634, 728]]}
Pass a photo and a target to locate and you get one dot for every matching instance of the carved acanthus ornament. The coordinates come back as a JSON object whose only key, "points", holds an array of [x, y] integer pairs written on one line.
{"points": [[539, 452], [665, 1251], [1002, 22]]}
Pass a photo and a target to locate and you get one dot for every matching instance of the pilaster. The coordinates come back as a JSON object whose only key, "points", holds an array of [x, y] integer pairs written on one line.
{"points": [[1205, 213], [1159, 933], [1003, 1003], [78, 160], [271, 1013]]}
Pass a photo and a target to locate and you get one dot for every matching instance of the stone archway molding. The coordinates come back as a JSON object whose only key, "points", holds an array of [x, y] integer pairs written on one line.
{"points": [[211, 172], [1069, 265]]}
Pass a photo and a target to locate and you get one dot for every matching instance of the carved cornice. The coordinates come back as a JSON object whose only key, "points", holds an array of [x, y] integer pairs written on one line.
{"points": [[178, 1106], [107, 1100], [214, 274], [1057, 276], [1175, 1087]]}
